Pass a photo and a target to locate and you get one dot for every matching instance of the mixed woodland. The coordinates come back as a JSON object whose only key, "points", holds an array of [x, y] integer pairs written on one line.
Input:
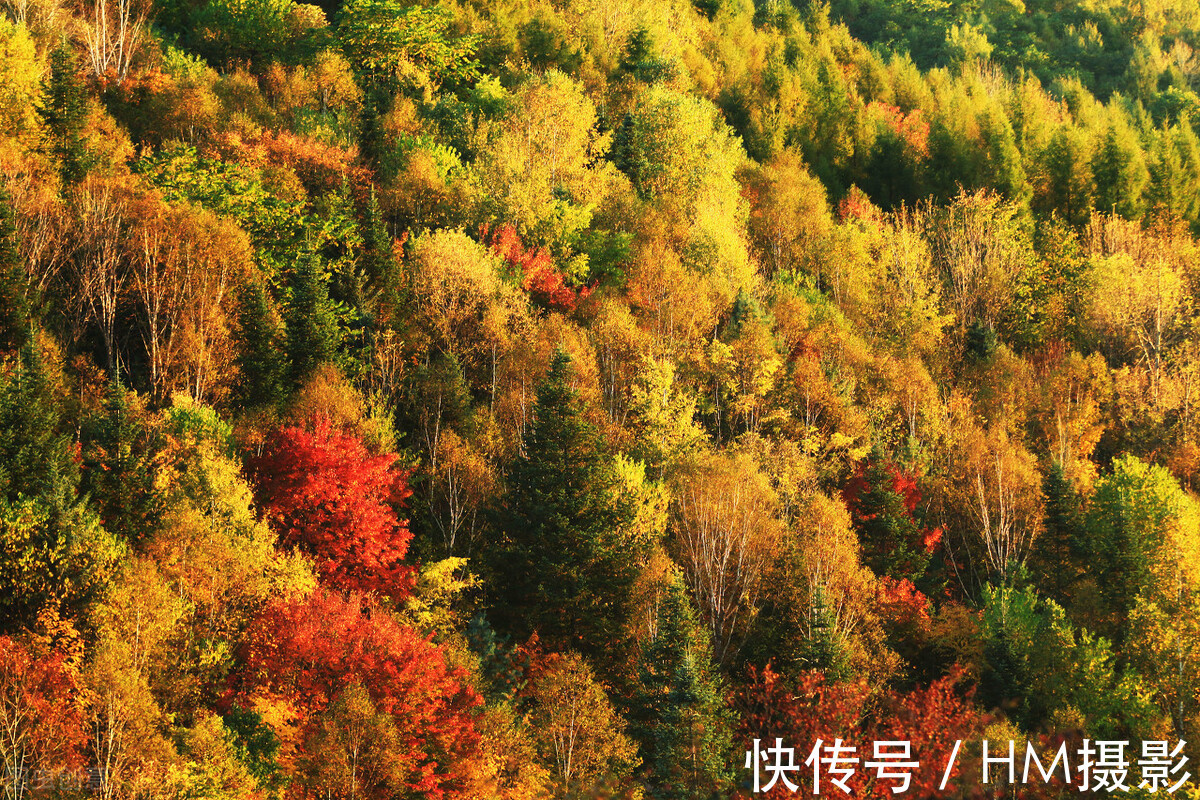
{"points": [[547, 398]]}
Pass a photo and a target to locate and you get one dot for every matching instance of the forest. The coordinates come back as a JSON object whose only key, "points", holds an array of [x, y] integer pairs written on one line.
{"points": [[554, 399]]}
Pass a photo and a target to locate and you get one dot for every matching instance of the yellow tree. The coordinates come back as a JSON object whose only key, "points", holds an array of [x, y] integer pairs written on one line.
{"points": [[546, 169], [135, 623], [980, 249], [988, 495], [837, 593], [1070, 410], [464, 306], [1146, 532], [789, 214], [726, 524], [1140, 289], [579, 734]]}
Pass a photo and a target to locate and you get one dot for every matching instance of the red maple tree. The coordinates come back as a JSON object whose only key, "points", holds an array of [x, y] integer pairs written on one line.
{"points": [[41, 720], [326, 494], [536, 269], [309, 650], [811, 709]]}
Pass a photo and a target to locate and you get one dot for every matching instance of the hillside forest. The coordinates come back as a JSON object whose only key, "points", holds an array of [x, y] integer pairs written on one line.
{"points": [[502, 399]]}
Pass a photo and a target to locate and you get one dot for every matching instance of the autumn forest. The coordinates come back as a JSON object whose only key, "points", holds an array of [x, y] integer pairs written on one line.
{"points": [[516, 399]]}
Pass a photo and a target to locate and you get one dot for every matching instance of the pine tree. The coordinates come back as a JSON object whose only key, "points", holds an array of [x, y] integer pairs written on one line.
{"points": [[35, 452], [1004, 683], [120, 457], [377, 261], [1056, 558], [65, 112], [503, 669], [677, 710], [14, 302], [53, 552], [377, 272], [1069, 189], [981, 342], [822, 651], [1120, 172], [892, 540], [563, 568], [312, 330], [371, 136], [261, 358], [436, 399], [1175, 159]]}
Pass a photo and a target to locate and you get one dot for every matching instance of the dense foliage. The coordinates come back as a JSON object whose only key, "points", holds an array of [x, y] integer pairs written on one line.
{"points": [[547, 398]]}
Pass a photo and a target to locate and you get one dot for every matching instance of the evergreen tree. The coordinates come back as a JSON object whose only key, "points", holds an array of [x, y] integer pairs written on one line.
{"points": [[677, 711], [1055, 560], [261, 358], [120, 457], [1069, 186], [981, 341], [64, 111], [14, 302], [35, 452], [1004, 683], [563, 567], [821, 650], [312, 330], [893, 543], [53, 552], [641, 58], [502, 668], [1175, 173], [1120, 171], [371, 136], [377, 261], [435, 399]]}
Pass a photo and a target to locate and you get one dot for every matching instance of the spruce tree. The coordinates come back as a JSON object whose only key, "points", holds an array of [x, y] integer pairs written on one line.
{"points": [[892, 541], [312, 330], [677, 713], [35, 452], [1119, 168], [261, 357], [1055, 562], [562, 567], [377, 261], [1068, 188], [821, 650], [53, 552], [64, 110], [1173, 165], [14, 303], [1004, 683], [120, 458], [372, 138]]}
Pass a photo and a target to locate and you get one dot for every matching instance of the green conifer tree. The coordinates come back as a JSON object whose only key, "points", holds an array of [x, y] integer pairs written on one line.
{"points": [[1069, 185], [35, 451], [892, 541], [64, 110], [14, 286], [1120, 172], [677, 712], [1055, 562], [261, 359], [312, 329], [120, 458], [563, 567], [376, 261], [53, 552], [1175, 173], [821, 650]]}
